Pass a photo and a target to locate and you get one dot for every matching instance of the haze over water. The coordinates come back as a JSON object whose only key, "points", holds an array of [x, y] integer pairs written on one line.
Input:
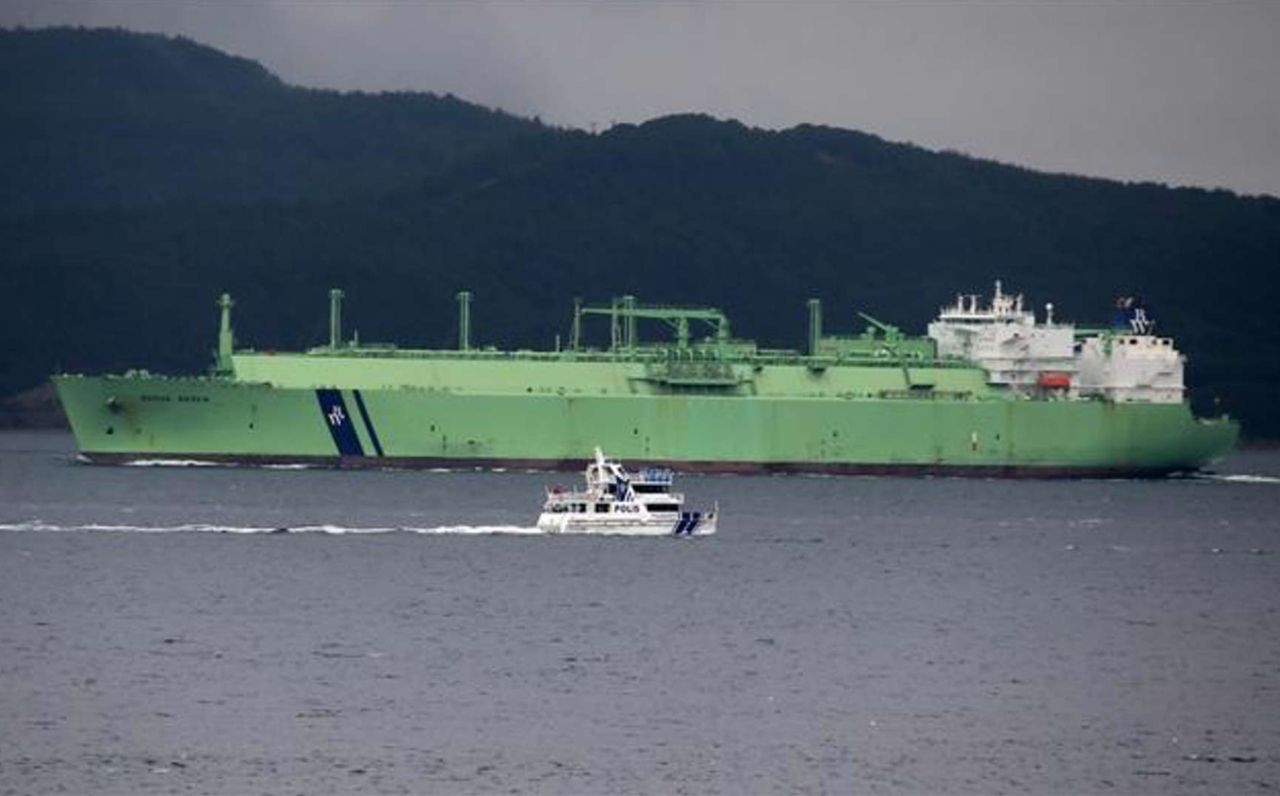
{"points": [[841, 635]]}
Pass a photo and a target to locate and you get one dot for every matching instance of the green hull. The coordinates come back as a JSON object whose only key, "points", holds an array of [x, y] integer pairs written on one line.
{"points": [[354, 421]]}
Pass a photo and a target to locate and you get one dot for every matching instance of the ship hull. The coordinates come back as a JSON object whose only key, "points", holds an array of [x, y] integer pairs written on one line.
{"points": [[126, 419]]}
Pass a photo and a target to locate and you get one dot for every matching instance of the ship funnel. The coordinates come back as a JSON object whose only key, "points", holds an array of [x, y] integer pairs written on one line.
{"points": [[335, 318], [464, 320], [815, 325]]}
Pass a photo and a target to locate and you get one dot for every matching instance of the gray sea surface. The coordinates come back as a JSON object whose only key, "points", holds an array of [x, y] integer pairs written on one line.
{"points": [[410, 634]]}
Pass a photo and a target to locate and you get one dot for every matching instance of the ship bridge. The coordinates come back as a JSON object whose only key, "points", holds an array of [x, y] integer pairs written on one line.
{"points": [[1004, 338]]}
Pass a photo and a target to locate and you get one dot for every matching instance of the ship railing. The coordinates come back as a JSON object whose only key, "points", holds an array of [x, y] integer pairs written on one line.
{"points": [[655, 357]]}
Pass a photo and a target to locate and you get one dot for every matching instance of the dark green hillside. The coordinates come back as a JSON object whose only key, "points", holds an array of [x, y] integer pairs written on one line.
{"points": [[682, 209], [104, 119]]}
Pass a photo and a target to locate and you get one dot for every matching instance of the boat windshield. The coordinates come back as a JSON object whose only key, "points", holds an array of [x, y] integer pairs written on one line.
{"points": [[656, 475]]}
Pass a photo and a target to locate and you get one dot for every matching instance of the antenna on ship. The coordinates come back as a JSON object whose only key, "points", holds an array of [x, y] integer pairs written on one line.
{"points": [[464, 320], [335, 318]]}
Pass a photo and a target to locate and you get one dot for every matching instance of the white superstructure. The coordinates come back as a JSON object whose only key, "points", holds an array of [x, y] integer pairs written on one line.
{"points": [[1130, 367], [618, 502], [1124, 364], [1004, 338]]}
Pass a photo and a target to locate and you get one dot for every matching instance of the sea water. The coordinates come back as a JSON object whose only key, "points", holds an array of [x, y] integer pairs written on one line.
{"points": [[187, 629]]}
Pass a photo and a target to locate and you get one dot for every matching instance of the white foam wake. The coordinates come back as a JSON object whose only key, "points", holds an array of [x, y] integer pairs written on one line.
{"points": [[1242, 479], [337, 530], [207, 463], [170, 463]]}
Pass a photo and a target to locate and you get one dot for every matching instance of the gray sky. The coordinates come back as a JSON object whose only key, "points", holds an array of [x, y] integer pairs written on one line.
{"points": [[1186, 93]]}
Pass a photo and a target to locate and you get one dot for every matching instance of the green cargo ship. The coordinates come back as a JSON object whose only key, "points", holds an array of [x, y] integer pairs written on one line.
{"points": [[990, 391]]}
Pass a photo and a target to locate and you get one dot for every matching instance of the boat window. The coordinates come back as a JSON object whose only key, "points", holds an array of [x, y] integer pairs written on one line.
{"points": [[663, 507], [602, 508], [649, 489]]}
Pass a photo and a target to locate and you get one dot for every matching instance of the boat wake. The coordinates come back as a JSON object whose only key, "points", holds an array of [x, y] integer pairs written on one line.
{"points": [[331, 530], [335, 530], [1239, 479], [168, 463], [207, 463], [181, 463]]}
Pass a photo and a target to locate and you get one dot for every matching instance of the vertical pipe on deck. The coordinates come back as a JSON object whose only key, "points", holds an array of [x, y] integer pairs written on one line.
{"points": [[815, 325], [576, 342], [464, 320], [335, 318], [226, 338], [629, 326], [615, 332]]}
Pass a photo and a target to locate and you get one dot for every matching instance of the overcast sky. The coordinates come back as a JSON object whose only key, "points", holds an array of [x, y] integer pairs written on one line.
{"points": [[1186, 93]]}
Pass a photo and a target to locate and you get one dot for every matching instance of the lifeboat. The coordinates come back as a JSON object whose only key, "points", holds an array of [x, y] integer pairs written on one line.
{"points": [[1054, 380]]}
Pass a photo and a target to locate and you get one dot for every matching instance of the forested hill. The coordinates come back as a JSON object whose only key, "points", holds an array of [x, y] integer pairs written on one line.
{"points": [[108, 119], [292, 195]]}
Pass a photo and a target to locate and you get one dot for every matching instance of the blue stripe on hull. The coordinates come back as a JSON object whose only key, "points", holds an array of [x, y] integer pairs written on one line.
{"points": [[688, 523], [334, 411], [368, 424]]}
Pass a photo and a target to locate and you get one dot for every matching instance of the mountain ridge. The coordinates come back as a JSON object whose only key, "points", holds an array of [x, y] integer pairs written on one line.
{"points": [[99, 119]]}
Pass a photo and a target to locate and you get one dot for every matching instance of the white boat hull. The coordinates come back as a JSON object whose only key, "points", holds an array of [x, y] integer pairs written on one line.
{"points": [[606, 525]]}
